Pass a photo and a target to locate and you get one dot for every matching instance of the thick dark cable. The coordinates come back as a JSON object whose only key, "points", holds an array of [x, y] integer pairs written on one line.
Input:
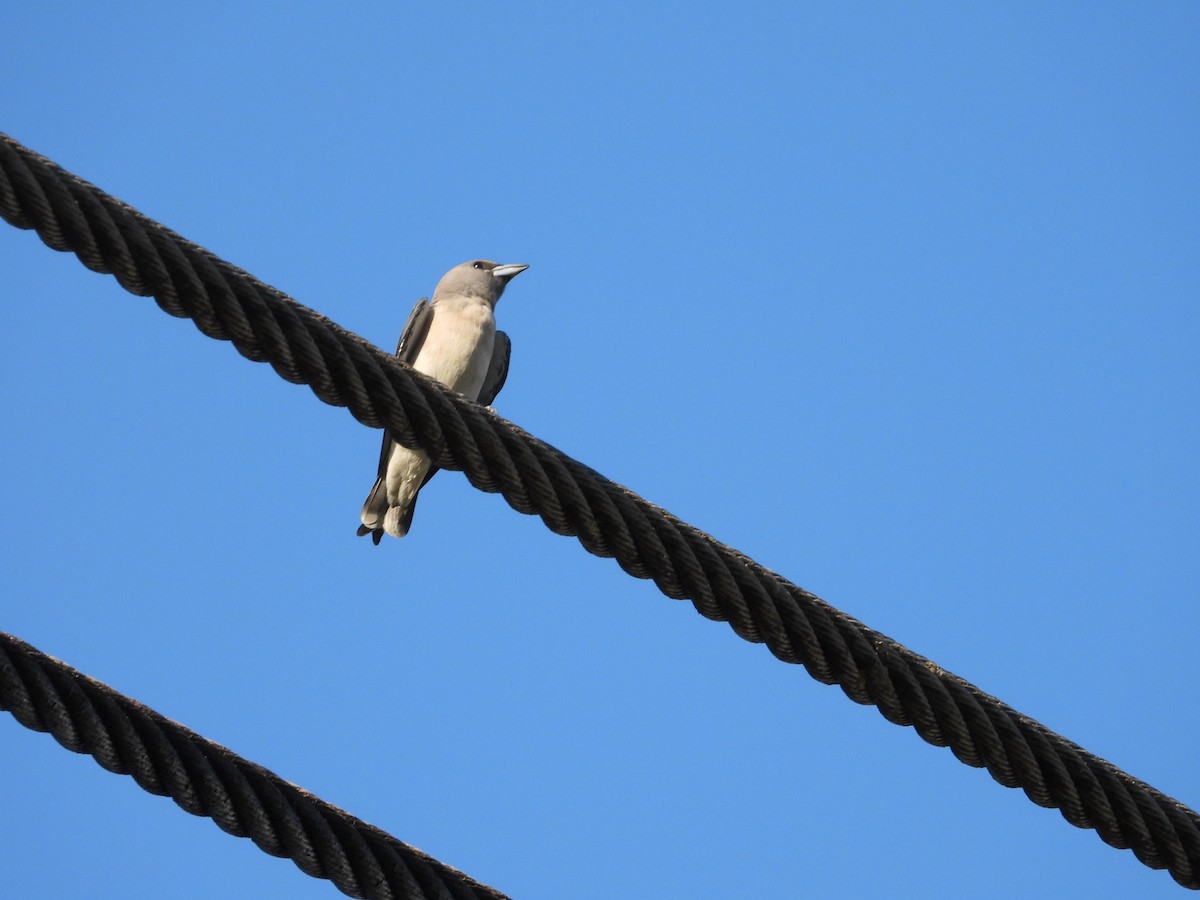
{"points": [[208, 780], [609, 520]]}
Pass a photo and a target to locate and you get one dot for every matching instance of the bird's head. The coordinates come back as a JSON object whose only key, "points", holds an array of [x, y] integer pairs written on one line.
{"points": [[478, 278]]}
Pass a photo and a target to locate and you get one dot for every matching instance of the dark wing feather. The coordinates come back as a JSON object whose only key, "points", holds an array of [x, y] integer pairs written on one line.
{"points": [[497, 372], [411, 340], [415, 330]]}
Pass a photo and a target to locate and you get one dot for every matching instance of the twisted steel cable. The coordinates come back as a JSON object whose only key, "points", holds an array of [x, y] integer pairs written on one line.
{"points": [[608, 520], [206, 779]]}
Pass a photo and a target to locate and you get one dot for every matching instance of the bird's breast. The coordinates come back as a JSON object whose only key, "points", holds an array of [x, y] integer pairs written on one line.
{"points": [[458, 348]]}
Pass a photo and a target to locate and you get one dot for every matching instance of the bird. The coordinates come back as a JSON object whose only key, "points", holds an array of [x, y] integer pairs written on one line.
{"points": [[454, 340]]}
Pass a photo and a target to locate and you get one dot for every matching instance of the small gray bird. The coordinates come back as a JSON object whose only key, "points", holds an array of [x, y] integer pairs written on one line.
{"points": [[453, 339]]}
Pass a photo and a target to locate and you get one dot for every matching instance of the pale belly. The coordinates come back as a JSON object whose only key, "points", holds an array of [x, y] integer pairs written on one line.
{"points": [[464, 344]]}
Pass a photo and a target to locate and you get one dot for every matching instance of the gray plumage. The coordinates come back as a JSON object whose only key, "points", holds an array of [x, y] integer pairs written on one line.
{"points": [[453, 339]]}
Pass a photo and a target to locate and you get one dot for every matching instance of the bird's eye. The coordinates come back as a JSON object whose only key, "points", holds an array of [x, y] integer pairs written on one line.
{"points": [[477, 265]]}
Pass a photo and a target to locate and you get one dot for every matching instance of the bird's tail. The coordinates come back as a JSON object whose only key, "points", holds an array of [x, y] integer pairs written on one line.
{"points": [[374, 512], [377, 517], [375, 533]]}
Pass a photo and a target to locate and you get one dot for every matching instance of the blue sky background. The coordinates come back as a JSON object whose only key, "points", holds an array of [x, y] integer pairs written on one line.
{"points": [[899, 299]]}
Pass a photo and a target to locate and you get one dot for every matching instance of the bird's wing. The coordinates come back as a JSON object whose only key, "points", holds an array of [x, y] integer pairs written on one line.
{"points": [[415, 330], [411, 340], [497, 370]]}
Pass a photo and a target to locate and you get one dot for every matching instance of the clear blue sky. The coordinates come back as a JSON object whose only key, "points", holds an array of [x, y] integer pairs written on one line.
{"points": [[900, 300]]}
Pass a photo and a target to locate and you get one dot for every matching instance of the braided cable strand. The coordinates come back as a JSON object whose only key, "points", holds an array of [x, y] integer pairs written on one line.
{"points": [[607, 519], [206, 779]]}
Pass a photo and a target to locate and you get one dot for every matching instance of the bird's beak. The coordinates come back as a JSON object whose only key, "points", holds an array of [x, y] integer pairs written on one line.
{"points": [[508, 271]]}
